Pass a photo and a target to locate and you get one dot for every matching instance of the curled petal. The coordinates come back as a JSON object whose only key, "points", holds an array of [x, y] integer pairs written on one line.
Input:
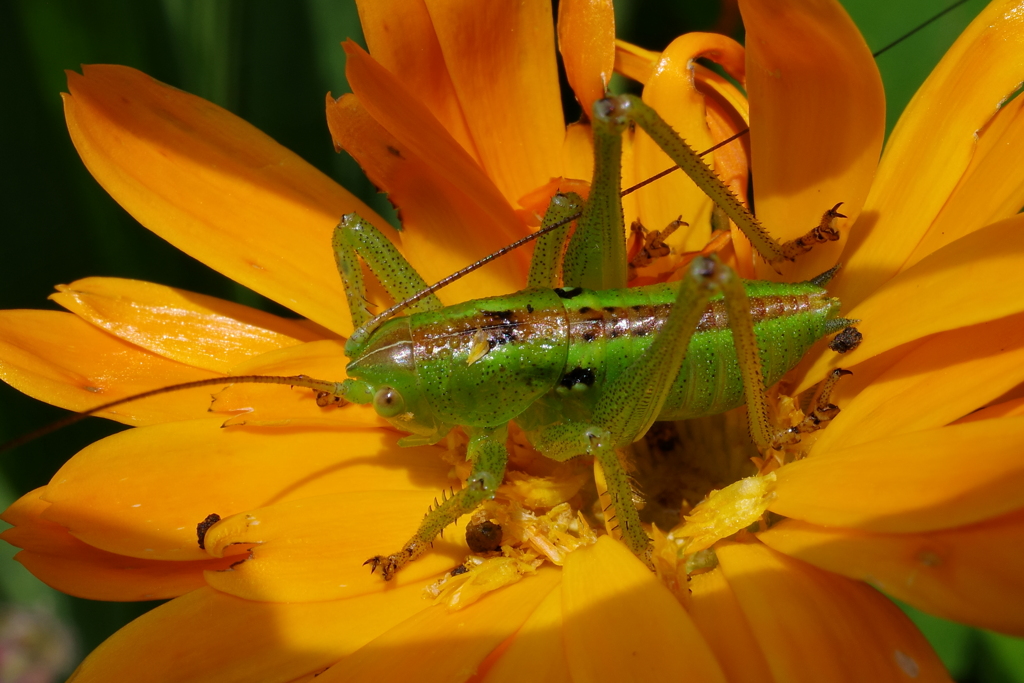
{"points": [[63, 562], [614, 605], [672, 91], [634, 61], [970, 574], [191, 328], [805, 619], [61, 359], [210, 637], [910, 482], [586, 39], [817, 118], [214, 186], [423, 649], [114, 495], [932, 146]]}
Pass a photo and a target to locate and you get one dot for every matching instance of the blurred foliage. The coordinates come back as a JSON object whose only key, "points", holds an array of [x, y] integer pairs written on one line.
{"points": [[271, 62]]}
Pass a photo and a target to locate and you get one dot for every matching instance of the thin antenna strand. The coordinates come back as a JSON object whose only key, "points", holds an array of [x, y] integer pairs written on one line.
{"points": [[910, 33], [664, 173], [295, 381]]}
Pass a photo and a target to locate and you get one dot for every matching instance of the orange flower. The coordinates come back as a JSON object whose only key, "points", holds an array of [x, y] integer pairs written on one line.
{"points": [[275, 590]]}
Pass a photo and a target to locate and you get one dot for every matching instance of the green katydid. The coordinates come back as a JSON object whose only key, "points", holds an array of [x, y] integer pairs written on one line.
{"points": [[586, 368]]}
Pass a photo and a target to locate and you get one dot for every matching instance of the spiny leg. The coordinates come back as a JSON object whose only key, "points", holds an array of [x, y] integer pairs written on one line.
{"points": [[571, 439], [631, 403], [487, 452], [544, 266], [632, 108], [596, 255], [355, 238], [741, 324]]}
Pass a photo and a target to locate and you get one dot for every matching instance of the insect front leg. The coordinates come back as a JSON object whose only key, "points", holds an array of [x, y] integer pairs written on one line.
{"points": [[486, 450], [355, 238]]}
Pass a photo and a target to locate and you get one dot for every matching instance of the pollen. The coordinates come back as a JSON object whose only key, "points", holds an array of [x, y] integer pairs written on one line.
{"points": [[481, 575], [726, 511], [531, 540]]}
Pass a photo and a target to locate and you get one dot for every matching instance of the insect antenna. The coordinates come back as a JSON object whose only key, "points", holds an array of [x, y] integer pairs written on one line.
{"points": [[906, 35], [323, 387]]}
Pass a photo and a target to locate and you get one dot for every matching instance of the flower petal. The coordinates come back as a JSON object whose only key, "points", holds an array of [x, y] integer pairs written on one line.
{"points": [[672, 91], [61, 561], [971, 281], [817, 118], [805, 620], [1010, 408], [990, 189], [970, 574], [932, 146], [717, 613], [63, 360], [633, 61], [944, 378], [215, 187], [209, 637], [411, 124], [401, 37], [442, 646], [622, 624], [114, 494], [536, 648], [191, 328], [501, 57], [910, 482], [586, 41], [316, 548], [447, 222]]}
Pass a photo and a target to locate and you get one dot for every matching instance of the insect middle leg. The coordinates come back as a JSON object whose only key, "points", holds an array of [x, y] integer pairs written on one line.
{"points": [[487, 452], [633, 400]]}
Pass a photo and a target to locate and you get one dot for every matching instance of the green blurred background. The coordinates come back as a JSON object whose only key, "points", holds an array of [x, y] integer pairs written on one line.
{"points": [[270, 62]]}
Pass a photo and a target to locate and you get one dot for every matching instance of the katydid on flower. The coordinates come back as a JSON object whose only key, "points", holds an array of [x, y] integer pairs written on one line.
{"points": [[581, 363], [586, 368]]}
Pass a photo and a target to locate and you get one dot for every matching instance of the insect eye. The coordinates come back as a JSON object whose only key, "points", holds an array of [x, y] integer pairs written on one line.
{"points": [[388, 402]]}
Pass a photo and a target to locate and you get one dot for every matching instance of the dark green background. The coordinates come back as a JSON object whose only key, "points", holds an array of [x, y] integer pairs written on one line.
{"points": [[270, 62]]}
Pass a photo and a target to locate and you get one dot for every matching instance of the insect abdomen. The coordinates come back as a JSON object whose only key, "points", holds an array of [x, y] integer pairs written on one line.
{"points": [[608, 330]]}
